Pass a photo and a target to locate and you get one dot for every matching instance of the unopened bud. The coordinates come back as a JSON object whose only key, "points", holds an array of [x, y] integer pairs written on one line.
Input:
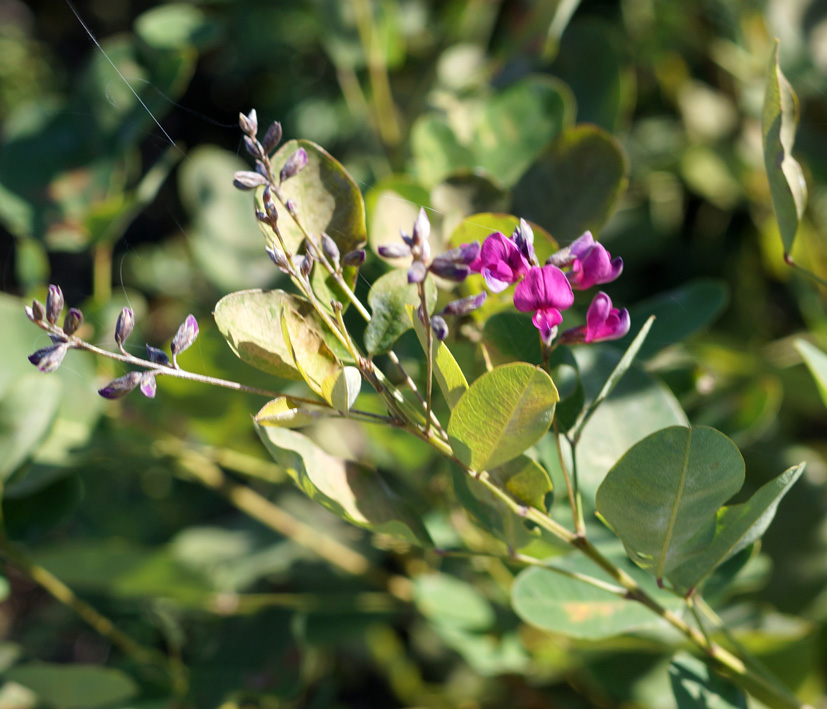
{"points": [[157, 356], [464, 254], [306, 264], [449, 270], [123, 328], [295, 163], [252, 146], [394, 250], [330, 249], [422, 227], [270, 206], [54, 304], [523, 237], [49, 358], [249, 123], [278, 258], [272, 137], [439, 327], [292, 207], [354, 258], [148, 385], [247, 180], [463, 306], [121, 386], [72, 321], [36, 312], [185, 336], [417, 272]]}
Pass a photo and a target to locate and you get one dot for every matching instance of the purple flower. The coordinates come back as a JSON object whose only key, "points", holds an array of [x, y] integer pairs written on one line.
{"points": [[603, 322], [592, 264], [546, 291], [500, 262]]}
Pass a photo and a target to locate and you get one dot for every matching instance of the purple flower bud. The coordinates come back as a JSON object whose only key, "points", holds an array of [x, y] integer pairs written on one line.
{"points": [[262, 217], [422, 227], [49, 358], [123, 328], [249, 123], [270, 206], [394, 250], [306, 264], [463, 306], [252, 146], [292, 207], [295, 163], [523, 237], [246, 180], [603, 322], [185, 336], [121, 386], [448, 269], [546, 291], [272, 137], [148, 384], [36, 312], [277, 257], [354, 258], [465, 254], [72, 321], [439, 327], [157, 356], [330, 249], [417, 272], [54, 304]]}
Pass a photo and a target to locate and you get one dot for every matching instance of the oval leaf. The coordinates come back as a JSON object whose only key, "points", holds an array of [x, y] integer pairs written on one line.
{"points": [[387, 300], [663, 495], [74, 686], [313, 358], [575, 184], [779, 121], [341, 388], [354, 493], [504, 412], [449, 375], [285, 413]]}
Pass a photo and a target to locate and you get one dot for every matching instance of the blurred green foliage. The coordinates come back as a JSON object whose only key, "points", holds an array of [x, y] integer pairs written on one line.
{"points": [[462, 107]]}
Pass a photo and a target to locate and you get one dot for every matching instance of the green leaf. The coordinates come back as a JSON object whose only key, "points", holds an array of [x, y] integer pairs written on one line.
{"points": [[223, 232], [286, 413], [175, 26], [74, 686], [27, 412], [816, 360], [312, 357], [661, 498], [436, 149], [779, 122], [341, 388], [511, 336], [327, 200], [696, 687], [503, 412], [561, 604], [387, 300], [575, 184], [250, 321], [393, 204], [446, 600], [449, 375], [737, 527], [351, 491]]}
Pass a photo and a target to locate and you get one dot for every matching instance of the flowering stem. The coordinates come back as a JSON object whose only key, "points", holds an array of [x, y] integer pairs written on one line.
{"points": [[576, 511], [429, 355]]}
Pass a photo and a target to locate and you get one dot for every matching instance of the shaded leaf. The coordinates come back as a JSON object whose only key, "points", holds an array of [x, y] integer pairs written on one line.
{"points": [[779, 121], [313, 359], [446, 600], [696, 687], [74, 686], [661, 498], [503, 412], [354, 493], [816, 361], [575, 183]]}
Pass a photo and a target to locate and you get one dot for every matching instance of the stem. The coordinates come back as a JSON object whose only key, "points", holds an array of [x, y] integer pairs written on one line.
{"points": [[788, 259], [579, 526], [429, 354]]}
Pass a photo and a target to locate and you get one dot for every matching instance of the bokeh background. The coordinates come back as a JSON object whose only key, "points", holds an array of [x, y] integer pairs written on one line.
{"points": [[448, 105]]}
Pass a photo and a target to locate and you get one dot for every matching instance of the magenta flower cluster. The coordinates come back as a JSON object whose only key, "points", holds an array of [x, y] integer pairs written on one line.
{"points": [[547, 290]]}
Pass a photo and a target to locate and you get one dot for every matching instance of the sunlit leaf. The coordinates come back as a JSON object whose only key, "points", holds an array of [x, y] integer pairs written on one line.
{"points": [[449, 375], [388, 297], [313, 359], [288, 414], [341, 387]]}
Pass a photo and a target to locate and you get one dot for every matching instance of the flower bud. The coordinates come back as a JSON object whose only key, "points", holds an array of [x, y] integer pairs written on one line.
{"points": [[292, 207], [148, 385], [449, 270], [295, 163], [49, 358], [36, 312], [72, 321], [121, 386], [306, 264], [330, 249], [439, 327], [523, 237], [54, 304], [123, 328], [272, 137], [252, 146], [249, 123], [277, 257], [157, 356], [463, 306], [394, 250], [417, 272], [246, 180], [354, 258], [422, 227], [185, 336]]}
